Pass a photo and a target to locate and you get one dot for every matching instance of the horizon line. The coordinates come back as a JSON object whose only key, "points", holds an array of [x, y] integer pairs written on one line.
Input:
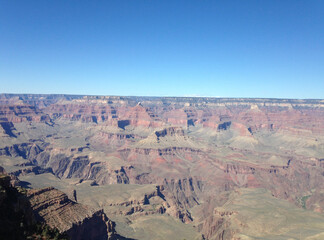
{"points": [[161, 96]]}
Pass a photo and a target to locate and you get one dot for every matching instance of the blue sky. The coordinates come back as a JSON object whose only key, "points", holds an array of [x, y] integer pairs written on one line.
{"points": [[163, 48]]}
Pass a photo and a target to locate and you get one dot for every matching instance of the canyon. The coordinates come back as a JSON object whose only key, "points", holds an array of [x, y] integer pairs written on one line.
{"points": [[113, 167]]}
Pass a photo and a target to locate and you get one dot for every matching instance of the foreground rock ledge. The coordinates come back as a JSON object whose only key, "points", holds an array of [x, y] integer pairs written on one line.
{"points": [[80, 222]]}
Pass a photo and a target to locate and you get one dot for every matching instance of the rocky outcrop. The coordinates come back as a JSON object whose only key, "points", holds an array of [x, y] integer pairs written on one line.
{"points": [[17, 219], [217, 226], [141, 206], [170, 131], [79, 222]]}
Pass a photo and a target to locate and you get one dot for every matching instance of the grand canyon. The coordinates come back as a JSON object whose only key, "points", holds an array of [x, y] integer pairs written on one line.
{"points": [[113, 167]]}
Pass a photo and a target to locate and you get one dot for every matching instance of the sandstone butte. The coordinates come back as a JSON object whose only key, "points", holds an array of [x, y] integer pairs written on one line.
{"points": [[109, 167]]}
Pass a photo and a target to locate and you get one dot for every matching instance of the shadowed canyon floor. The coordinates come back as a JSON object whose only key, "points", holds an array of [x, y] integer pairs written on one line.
{"points": [[170, 168]]}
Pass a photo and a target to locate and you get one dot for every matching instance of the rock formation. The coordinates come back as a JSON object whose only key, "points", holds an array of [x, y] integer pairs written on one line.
{"points": [[193, 149], [79, 222]]}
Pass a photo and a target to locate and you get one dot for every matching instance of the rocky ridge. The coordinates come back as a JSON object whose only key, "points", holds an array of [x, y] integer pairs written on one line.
{"points": [[79, 222]]}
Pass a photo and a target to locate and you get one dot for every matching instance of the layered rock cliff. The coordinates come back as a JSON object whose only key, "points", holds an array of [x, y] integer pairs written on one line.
{"points": [[79, 222], [17, 219]]}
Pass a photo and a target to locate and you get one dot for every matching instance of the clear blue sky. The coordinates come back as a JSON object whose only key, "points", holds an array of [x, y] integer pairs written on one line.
{"points": [[249, 48]]}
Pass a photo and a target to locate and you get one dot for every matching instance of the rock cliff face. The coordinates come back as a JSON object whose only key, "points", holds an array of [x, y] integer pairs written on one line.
{"points": [[79, 222], [17, 218], [194, 149], [21, 210]]}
